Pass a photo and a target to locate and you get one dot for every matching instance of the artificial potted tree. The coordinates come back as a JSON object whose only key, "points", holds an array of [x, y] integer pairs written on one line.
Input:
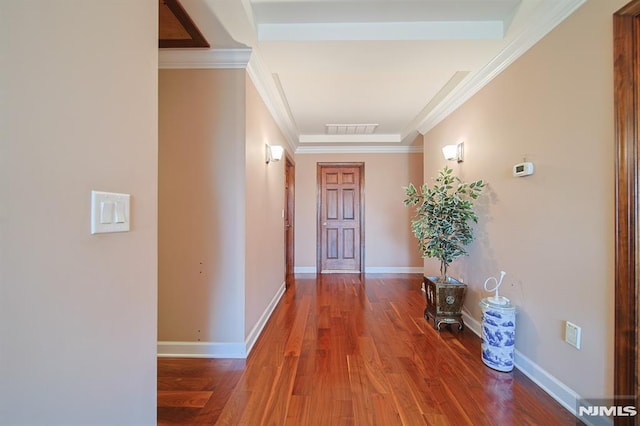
{"points": [[442, 225]]}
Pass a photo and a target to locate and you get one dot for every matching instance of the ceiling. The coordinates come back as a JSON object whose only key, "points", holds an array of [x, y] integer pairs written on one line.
{"points": [[366, 75]]}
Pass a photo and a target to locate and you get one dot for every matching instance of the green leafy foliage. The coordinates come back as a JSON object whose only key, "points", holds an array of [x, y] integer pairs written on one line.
{"points": [[443, 215]]}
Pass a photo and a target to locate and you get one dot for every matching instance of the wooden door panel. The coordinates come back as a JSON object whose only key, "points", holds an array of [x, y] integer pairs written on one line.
{"points": [[331, 178], [340, 227], [332, 243], [332, 204], [348, 178], [348, 204], [349, 244]]}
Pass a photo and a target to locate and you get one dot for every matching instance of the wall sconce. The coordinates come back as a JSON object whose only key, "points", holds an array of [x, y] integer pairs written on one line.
{"points": [[454, 152], [273, 153]]}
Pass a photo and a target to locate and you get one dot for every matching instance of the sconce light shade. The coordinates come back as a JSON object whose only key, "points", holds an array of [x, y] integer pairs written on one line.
{"points": [[454, 152], [276, 152], [273, 153]]}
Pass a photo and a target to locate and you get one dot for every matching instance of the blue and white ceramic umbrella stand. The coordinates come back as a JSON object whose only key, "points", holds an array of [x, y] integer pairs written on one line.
{"points": [[498, 328]]}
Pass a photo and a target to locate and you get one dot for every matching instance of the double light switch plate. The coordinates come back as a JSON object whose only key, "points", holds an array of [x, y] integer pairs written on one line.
{"points": [[109, 212]]}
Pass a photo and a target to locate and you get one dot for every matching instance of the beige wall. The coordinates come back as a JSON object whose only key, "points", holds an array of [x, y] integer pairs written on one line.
{"points": [[552, 232], [388, 239], [264, 270], [77, 311], [201, 205]]}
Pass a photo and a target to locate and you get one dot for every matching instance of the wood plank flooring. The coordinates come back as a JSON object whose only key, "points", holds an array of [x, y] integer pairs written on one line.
{"points": [[353, 350]]}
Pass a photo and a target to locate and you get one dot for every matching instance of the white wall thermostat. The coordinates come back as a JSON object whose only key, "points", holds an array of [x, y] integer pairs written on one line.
{"points": [[523, 169]]}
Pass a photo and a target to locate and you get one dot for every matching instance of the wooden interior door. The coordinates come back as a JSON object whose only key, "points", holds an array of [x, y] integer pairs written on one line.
{"points": [[340, 217], [289, 203]]}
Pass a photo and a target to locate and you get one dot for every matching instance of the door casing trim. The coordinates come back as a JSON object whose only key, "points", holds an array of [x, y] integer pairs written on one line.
{"points": [[626, 34]]}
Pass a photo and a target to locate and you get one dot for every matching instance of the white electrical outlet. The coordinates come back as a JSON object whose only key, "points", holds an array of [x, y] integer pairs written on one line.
{"points": [[572, 334]]}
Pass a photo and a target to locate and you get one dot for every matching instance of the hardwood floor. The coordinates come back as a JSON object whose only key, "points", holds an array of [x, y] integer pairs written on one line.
{"points": [[350, 349]]}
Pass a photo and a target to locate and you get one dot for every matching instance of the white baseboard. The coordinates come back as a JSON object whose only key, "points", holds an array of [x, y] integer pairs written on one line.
{"points": [[257, 329], [471, 323], [369, 269], [201, 350], [394, 269], [564, 395], [217, 349]]}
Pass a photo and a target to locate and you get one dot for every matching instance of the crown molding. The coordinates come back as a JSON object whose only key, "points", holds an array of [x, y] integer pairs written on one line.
{"points": [[454, 81], [358, 149], [265, 86], [236, 58], [520, 44]]}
